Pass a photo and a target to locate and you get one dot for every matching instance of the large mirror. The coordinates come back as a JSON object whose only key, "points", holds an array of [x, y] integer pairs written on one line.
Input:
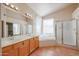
{"points": [[12, 29], [9, 29]]}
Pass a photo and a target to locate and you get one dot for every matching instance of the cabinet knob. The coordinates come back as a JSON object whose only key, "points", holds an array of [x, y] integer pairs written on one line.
{"points": [[22, 43]]}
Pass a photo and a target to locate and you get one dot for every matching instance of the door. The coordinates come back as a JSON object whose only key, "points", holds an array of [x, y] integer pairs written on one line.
{"points": [[69, 33]]}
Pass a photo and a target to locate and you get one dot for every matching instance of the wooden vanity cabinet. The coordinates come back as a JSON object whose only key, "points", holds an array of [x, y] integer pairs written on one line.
{"points": [[36, 42], [17, 47], [9, 51], [32, 44], [23, 48], [27, 46]]}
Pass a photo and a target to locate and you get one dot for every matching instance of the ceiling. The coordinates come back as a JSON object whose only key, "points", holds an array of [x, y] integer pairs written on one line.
{"points": [[43, 9]]}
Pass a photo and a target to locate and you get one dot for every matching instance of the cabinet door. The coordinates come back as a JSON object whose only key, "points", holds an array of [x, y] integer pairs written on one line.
{"points": [[24, 49], [17, 46], [9, 51], [27, 46], [32, 45], [36, 42]]}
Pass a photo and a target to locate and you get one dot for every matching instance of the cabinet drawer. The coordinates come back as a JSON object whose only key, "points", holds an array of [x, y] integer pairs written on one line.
{"points": [[17, 45], [27, 42], [6, 51], [8, 48]]}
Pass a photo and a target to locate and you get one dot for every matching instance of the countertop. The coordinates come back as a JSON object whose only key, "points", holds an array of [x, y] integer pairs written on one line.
{"points": [[12, 40]]}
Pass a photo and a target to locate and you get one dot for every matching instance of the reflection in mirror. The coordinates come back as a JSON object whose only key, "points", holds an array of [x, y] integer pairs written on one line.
{"points": [[16, 29], [30, 29], [12, 29], [24, 29], [9, 29]]}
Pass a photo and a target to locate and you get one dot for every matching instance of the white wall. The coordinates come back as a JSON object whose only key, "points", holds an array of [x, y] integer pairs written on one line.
{"points": [[59, 32], [75, 14], [44, 43], [63, 14], [38, 25]]}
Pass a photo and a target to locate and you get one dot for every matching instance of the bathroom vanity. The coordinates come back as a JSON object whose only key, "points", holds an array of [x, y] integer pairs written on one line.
{"points": [[21, 47], [15, 27]]}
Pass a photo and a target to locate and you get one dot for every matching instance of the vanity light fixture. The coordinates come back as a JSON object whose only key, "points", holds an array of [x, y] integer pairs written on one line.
{"points": [[7, 4], [11, 6], [30, 15], [27, 14]]}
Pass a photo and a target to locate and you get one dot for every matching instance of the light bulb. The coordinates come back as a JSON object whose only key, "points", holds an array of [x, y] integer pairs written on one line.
{"points": [[12, 6], [27, 14], [16, 8]]}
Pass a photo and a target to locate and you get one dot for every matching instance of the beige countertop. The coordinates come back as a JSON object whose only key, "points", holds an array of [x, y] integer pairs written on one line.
{"points": [[12, 40]]}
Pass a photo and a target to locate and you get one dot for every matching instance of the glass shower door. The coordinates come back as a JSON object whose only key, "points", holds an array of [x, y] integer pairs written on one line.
{"points": [[69, 33]]}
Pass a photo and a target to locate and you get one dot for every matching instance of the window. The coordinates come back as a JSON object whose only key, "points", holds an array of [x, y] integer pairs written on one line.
{"points": [[48, 26]]}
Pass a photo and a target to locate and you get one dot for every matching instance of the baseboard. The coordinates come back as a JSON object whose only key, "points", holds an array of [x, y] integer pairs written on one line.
{"points": [[61, 45], [68, 46], [47, 43]]}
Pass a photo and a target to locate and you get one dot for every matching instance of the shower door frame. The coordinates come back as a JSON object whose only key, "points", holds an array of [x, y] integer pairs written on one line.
{"points": [[63, 38], [75, 34]]}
